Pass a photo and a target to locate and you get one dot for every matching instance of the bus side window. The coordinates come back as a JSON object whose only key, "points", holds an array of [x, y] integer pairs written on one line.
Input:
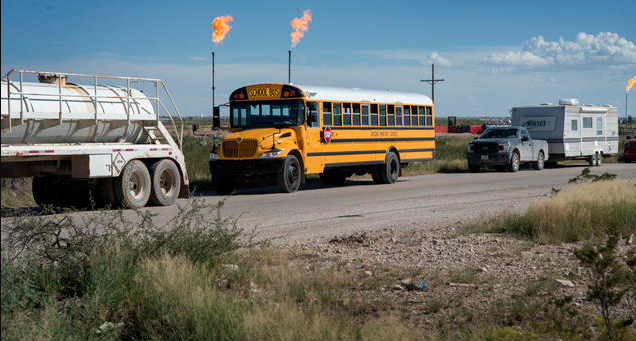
{"points": [[420, 111], [313, 120], [398, 115], [365, 114], [382, 114], [429, 116], [356, 114], [407, 115], [337, 114], [326, 113], [390, 113], [346, 114], [374, 114], [413, 115]]}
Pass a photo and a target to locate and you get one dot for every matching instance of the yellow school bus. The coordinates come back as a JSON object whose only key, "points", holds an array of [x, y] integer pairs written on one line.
{"points": [[282, 132]]}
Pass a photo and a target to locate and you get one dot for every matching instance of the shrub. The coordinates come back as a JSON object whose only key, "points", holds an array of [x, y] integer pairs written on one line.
{"points": [[587, 210]]}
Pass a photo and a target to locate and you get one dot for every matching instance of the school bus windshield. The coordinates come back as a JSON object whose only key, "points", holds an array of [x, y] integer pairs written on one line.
{"points": [[266, 113]]}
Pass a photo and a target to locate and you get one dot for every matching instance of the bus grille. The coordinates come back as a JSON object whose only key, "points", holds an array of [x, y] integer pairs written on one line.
{"points": [[245, 148]]}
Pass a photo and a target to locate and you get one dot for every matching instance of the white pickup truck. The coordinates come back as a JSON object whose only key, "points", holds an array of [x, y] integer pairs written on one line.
{"points": [[506, 148]]}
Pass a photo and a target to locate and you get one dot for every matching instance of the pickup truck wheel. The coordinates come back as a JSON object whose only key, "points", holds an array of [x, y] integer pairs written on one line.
{"points": [[540, 161], [390, 170], [133, 186], [166, 182], [514, 162], [290, 176], [223, 184]]}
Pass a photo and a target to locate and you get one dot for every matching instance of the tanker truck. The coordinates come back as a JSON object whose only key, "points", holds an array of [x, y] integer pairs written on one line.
{"points": [[92, 144]]}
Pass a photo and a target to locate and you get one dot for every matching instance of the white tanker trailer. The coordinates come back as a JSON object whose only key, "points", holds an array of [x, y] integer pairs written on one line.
{"points": [[91, 142]]}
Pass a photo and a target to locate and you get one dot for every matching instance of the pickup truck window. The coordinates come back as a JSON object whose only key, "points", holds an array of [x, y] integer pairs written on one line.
{"points": [[499, 133]]}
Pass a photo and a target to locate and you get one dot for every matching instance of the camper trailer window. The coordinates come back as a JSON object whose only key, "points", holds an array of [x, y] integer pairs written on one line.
{"points": [[599, 126], [587, 122], [575, 125]]}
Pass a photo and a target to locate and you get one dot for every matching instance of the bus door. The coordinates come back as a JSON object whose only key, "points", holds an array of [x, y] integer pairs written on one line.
{"points": [[313, 142]]}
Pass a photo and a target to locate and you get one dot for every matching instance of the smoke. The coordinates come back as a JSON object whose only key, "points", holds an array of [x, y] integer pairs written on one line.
{"points": [[300, 26]]}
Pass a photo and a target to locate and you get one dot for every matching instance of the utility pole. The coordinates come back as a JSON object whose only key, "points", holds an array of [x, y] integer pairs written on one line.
{"points": [[432, 82], [213, 88], [289, 68]]}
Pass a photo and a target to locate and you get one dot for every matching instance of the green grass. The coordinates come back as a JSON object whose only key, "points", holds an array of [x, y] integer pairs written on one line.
{"points": [[582, 212]]}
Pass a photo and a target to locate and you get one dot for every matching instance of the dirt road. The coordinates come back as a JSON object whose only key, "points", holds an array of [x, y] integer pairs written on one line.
{"points": [[317, 211]]}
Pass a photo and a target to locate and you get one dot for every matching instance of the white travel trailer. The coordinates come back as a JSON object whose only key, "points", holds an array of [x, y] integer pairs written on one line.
{"points": [[573, 131]]}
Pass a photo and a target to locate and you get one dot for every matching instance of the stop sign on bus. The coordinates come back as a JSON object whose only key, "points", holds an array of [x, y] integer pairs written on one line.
{"points": [[327, 134]]}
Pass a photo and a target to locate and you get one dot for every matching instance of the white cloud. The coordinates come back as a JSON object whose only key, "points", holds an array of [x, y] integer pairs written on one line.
{"points": [[604, 49], [197, 59], [436, 58]]}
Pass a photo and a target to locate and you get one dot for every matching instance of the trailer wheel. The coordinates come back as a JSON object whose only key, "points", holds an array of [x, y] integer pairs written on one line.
{"points": [[514, 162], [290, 176], [166, 183], [599, 159], [132, 187], [333, 177], [540, 161], [390, 170], [43, 193]]}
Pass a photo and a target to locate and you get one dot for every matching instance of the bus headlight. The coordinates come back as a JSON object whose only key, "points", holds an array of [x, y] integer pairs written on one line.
{"points": [[214, 156], [271, 153]]}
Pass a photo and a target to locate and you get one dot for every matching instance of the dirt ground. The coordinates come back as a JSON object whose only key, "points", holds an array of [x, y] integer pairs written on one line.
{"points": [[469, 278]]}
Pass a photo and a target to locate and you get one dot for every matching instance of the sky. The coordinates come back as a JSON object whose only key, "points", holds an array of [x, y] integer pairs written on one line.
{"points": [[492, 55]]}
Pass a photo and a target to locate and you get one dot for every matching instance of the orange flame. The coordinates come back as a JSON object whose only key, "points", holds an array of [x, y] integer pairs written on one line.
{"points": [[221, 28], [631, 83], [300, 26]]}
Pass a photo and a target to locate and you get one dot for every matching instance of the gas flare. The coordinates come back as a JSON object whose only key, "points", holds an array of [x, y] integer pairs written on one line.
{"points": [[630, 83], [221, 28], [300, 26]]}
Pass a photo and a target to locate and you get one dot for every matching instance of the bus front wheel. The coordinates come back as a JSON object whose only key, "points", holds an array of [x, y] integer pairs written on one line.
{"points": [[290, 176], [223, 184]]}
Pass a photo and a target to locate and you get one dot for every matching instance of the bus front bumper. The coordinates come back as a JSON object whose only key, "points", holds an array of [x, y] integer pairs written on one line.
{"points": [[247, 167]]}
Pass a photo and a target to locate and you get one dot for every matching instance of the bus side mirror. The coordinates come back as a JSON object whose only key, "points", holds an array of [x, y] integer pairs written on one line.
{"points": [[216, 117]]}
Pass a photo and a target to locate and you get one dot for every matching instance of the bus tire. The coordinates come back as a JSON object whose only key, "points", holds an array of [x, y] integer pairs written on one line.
{"points": [[390, 170], [166, 183], [43, 192], [133, 186], [290, 176], [223, 184], [375, 175], [333, 177]]}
